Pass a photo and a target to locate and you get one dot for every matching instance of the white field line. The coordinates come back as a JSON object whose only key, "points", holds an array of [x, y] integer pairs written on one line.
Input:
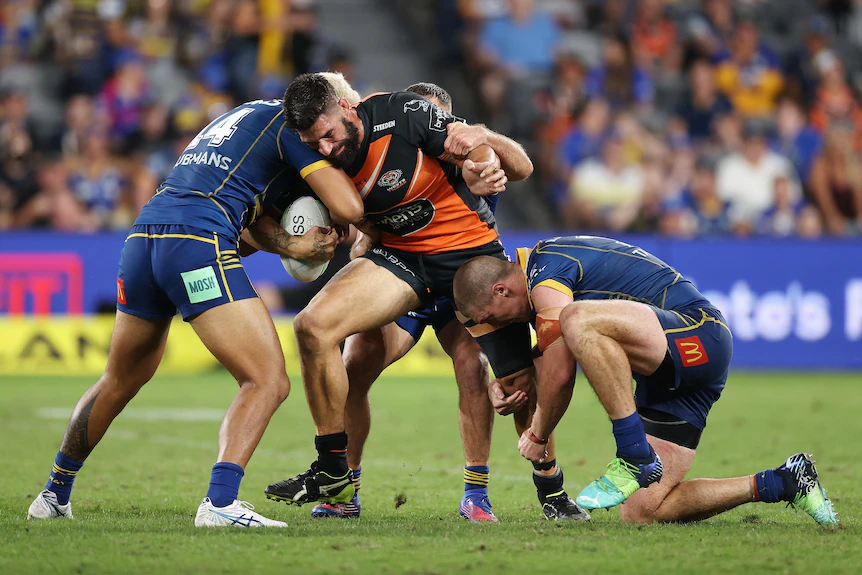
{"points": [[151, 414]]}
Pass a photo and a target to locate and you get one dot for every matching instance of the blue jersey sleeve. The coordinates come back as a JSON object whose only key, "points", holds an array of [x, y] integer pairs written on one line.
{"points": [[555, 270], [300, 156]]}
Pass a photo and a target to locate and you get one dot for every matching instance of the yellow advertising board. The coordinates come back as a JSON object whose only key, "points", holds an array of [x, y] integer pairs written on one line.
{"points": [[78, 345]]}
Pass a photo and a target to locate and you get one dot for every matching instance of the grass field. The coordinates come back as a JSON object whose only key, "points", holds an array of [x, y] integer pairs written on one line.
{"points": [[135, 499]]}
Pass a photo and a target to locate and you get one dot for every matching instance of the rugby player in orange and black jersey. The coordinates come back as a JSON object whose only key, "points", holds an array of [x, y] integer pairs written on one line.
{"points": [[430, 221]]}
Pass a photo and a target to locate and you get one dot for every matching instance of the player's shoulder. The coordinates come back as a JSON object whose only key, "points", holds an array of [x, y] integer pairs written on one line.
{"points": [[394, 104], [262, 108]]}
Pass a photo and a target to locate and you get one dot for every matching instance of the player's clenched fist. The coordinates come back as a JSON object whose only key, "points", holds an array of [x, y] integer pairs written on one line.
{"points": [[463, 138], [533, 448], [318, 245]]}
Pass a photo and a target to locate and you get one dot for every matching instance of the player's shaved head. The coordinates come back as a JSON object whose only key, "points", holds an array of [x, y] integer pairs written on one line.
{"points": [[474, 281], [306, 99], [343, 89], [429, 90]]}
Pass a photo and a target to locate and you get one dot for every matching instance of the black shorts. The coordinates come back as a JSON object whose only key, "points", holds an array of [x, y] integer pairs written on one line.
{"points": [[431, 277]]}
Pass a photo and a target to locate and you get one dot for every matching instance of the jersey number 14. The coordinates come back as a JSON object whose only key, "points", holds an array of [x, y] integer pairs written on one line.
{"points": [[221, 129]]}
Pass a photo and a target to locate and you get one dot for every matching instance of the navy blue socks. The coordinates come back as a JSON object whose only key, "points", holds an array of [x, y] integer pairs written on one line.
{"points": [[476, 479], [224, 484], [63, 474], [771, 487], [631, 439]]}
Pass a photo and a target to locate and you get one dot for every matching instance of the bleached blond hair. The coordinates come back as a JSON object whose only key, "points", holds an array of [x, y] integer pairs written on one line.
{"points": [[342, 87]]}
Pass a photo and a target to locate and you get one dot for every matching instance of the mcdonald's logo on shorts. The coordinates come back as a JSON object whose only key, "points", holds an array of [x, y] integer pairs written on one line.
{"points": [[691, 351], [121, 292]]}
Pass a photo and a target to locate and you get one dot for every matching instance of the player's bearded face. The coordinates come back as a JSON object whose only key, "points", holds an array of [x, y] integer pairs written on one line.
{"points": [[344, 153]]}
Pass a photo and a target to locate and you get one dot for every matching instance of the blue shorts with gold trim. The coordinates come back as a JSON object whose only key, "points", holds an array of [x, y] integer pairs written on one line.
{"points": [[700, 345], [165, 268]]}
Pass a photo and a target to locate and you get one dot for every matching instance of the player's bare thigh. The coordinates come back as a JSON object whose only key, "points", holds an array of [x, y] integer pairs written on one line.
{"points": [[137, 346], [631, 324], [242, 336], [676, 461], [361, 297]]}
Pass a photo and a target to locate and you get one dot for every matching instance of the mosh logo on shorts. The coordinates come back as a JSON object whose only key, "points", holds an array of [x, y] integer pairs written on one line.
{"points": [[691, 351], [391, 180], [405, 219], [201, 284]]}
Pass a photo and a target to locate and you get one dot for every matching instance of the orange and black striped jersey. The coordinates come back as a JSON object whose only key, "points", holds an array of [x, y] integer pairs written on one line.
{"points": [[418, 202]]}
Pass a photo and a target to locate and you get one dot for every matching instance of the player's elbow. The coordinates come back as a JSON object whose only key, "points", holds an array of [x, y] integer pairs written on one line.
{"points": [[348, 212], [522, 171]]}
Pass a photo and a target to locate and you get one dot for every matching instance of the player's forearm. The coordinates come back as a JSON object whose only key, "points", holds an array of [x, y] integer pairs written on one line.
{"points": [[267, 235], [513, 158], [553, 395]]}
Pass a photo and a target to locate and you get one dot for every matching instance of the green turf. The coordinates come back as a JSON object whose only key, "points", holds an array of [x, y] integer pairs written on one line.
{"points": [[135, 499]]}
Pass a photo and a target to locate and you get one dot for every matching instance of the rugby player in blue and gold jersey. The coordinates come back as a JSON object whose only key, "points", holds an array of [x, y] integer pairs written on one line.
{"points": [[620, 312], [181, 255]]}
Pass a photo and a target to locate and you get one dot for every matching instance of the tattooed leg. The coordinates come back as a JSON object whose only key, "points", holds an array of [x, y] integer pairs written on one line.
{"points": [[75, 443]]}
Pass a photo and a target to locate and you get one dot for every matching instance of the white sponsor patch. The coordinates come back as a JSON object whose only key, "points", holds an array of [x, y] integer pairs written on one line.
{"points": [[384, 126]]}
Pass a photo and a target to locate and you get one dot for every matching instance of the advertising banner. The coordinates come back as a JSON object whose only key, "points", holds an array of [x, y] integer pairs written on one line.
{"points": [[790, 303]]}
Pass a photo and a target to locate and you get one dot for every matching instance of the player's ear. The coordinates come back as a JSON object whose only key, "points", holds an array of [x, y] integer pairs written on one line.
{"points": [[343, 104], [500, 289]]}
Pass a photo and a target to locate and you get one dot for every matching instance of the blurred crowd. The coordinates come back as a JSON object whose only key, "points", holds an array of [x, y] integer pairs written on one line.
{"points": [[682, 117], [99, 97]]}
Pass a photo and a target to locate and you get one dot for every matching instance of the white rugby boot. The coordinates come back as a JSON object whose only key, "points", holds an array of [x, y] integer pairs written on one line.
{"points": [[238, 514], [45, 506]]}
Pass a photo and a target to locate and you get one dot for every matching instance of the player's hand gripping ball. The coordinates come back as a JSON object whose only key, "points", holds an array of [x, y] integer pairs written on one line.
{"points": [[302, 215]]}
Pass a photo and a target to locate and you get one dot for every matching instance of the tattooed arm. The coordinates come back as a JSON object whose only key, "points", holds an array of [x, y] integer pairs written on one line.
{"points": [[267, 234]]}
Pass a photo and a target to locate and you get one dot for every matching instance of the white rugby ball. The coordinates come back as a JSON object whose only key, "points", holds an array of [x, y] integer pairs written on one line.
{"points": [[302, 215]]}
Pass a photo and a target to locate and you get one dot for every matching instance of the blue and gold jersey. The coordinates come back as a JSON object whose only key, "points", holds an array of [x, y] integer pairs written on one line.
{"points": [[589, 267], [232, 171]]}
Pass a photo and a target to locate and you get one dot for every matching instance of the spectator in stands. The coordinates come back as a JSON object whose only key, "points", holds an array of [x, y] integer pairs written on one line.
{"points": [[97, 181], [748, 74], [746, 179], [15, 118], [18, 182], [710, 31], [608, 17], [79, 33], [619, 79], [653, 34], [704, 103], [81, 117], [801, 71], [18, 32], [585, 140], [124, 96], [836, 181], [727, 130], [780, 219], [795, 140], [835, 101], [605, 194], [55, 205], [521, 43], [697, 209]]}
